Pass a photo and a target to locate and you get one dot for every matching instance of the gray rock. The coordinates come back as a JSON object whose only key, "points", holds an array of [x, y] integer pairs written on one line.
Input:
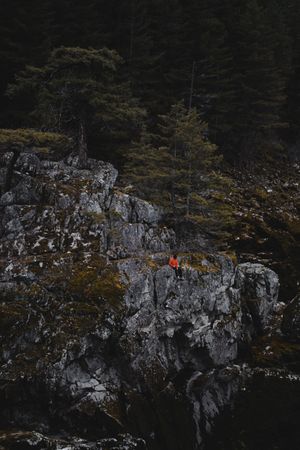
{"points": [[259, 288], [28, 163], [96, 330], [24, 193], [35, 440], [134, 210]]}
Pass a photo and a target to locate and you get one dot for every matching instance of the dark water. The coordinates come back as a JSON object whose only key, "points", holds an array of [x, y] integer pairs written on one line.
{"points": [[266, 416]]}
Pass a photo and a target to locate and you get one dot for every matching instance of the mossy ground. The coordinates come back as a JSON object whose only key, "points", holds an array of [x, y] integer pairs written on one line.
{"points": [[265, 201], [70, 301], [202, 262]]}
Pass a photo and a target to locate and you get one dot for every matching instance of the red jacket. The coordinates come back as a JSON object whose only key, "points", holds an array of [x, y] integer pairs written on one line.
{"points": [[173, 262]]}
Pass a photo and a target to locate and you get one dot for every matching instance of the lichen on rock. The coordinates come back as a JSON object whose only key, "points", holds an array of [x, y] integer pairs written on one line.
{"points": [[96, 330]]}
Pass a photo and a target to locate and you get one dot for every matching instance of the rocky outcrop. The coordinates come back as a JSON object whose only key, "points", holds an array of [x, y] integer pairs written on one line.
{"points": [[54, 207], [34, 440], [259, 289], [98, 336]]}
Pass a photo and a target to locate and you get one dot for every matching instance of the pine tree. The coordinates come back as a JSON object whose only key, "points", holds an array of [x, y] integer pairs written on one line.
{"points": [[133, 38], [260, 88], [237, 61], [77, 90], [212, 89], [171, 36], [176, 168], [148, 168]]}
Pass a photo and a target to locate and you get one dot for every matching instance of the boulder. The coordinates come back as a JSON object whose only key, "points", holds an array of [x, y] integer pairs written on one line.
{"points": [[259, 288]]}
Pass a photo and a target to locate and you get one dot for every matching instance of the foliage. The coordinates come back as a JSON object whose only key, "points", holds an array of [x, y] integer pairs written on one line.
{"points": [[37, 141], [77, 90], [95, 281], [260, 88], [93, 284], [236, 60], [177, 168]]}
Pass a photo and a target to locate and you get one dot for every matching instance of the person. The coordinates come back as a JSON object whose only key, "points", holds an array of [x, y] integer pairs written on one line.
{"points": [[173, 262]]}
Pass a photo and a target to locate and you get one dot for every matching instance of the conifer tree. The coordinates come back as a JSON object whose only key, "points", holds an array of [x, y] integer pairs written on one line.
{"points": [[213, 90], [78, 89], [133, 37], [170, 32], [177, 167], [245, 55], [260, 91], [147, 166]]}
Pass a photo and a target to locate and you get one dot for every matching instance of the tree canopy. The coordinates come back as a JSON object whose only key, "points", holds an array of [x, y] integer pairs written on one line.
{"points": [[77, 91], [178, 168], [236, 61]]}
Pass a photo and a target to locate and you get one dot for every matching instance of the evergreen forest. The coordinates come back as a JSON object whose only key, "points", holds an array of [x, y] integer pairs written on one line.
{"points": [[236, 61]]}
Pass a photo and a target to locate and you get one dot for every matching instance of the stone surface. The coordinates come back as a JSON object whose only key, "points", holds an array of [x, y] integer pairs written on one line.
{"points": [[34, 440], [260, 287], [98, 336]]}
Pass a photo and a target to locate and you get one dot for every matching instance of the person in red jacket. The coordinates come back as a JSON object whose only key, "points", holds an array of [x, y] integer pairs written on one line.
{"points": [[173, 262]]}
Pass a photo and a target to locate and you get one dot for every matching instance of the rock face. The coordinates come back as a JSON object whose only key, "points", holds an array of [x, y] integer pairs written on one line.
{"points": [[54, 207], [259, 287], [98, 336], [36, 440]]}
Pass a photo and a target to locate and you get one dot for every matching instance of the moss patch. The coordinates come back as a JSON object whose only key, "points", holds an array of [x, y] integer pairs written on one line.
{"points": [[202, 262], [95, 281]]}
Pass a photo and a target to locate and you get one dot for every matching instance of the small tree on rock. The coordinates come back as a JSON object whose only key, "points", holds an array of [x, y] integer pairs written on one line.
{"points": [[177, 168], [77, 90]]}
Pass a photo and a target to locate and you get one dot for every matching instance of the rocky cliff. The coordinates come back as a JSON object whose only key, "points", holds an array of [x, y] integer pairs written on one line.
{"points": [[101, 345]]}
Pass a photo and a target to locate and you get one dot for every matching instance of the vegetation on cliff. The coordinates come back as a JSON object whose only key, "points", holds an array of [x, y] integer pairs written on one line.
{"points": [[177, 168]]}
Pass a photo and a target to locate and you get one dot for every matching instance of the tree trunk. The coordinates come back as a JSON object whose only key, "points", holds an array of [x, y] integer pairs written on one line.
{"points": [[82, 146]]}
